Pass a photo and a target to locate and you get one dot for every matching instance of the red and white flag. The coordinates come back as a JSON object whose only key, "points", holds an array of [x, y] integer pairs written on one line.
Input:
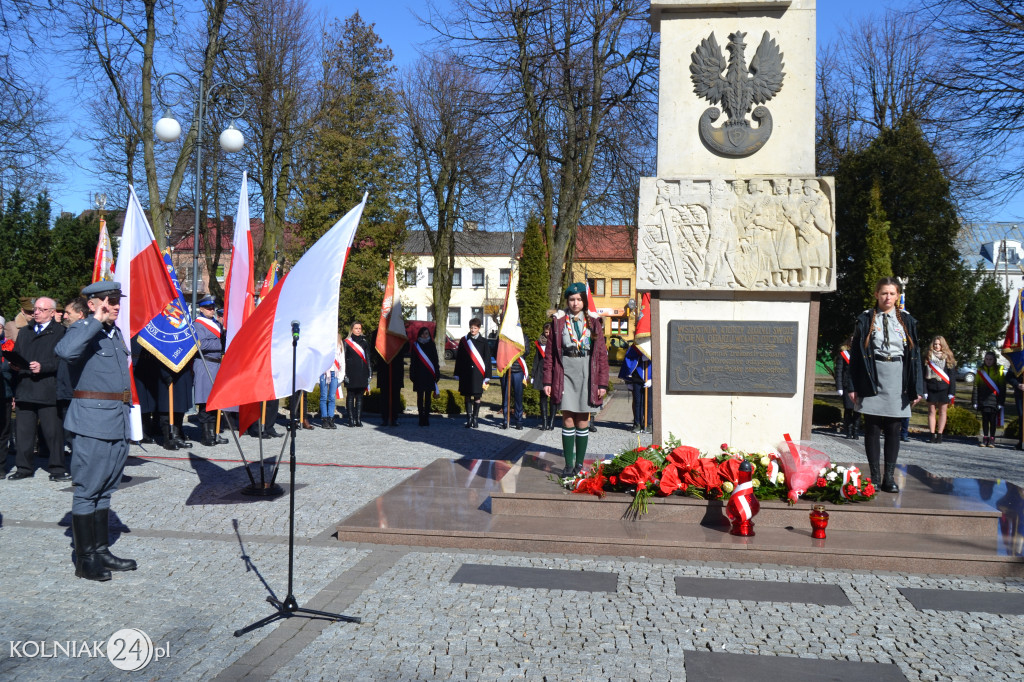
{"points": [[511, 342], [257, 365], [146, 288], [391, 334], [591, 307], [642, 334], [238, 303], [103, 262]]}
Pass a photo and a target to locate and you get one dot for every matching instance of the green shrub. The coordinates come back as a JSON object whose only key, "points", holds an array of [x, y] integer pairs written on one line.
{"points": [[961, 422], [373, 402], [824, 414], [1012, 429], [449, 402], [531, 401]]}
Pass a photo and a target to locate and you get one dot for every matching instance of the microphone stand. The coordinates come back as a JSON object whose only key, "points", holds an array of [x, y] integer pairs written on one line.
{"points": [[289, 608]]}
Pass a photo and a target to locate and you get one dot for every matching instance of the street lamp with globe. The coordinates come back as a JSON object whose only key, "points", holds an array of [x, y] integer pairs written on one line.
{"points": [[231, 140]]}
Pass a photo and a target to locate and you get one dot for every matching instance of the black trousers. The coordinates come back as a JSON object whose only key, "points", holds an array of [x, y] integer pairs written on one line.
{"points": [[988, 422], [641, 398], [423, 401], [47, 417], [516, 391], [5, 425], [874, 428]]}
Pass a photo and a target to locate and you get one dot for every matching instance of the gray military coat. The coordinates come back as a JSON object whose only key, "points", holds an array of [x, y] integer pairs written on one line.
{"points": [[213, 350], [97, 362]]}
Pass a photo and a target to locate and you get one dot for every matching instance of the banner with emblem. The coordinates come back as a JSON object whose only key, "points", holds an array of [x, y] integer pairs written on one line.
{"points": [[169, 335]]}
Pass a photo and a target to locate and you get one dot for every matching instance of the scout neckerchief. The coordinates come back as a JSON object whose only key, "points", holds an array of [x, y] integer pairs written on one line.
{"points": [[209, 324], [356, 347], [428, 364], [988, 381], [474, 355], [577, 336], [939, 371], [846, 355]]}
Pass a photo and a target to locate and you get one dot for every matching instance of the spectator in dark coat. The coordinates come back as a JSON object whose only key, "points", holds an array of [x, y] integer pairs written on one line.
{"points": [[473, 370], [424, 372]]}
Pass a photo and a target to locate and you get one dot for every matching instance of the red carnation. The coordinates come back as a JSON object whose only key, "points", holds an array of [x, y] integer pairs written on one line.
{"points": [[640, 449], [821, 482], [851, 490], [614, 480], [868, 490], [8, 344]]}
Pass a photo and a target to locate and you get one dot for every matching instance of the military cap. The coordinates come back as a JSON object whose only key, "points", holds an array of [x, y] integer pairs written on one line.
{"points": [[102, 289], [576, 288], [207, 302], [26, 303]]}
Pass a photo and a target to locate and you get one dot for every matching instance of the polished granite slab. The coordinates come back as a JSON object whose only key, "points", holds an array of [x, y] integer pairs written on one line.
{"points": [[725, 667], [449, 504], [761, 591], [536, 578], [1006, 603]]}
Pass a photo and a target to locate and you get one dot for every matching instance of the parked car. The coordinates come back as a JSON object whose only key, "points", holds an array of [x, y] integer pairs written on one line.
{"points": [[966, 372], [451, 344], [617, 347]]}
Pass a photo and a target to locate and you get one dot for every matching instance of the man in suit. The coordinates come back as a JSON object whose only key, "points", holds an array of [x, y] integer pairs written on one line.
{"points": [[99, 421], [36, 394]]}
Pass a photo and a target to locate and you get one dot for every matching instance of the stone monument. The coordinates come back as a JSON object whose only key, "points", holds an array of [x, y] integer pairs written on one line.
{"points": [[736, 234]]}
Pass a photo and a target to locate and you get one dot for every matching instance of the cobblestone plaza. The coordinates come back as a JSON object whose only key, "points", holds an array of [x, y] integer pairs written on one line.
{"points": [[208, 558]]}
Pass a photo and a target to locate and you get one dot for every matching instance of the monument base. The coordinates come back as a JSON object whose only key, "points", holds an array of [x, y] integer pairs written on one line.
{"points": [[931, 527]]}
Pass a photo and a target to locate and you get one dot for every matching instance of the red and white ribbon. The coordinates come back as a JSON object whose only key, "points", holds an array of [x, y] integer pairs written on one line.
{"points": [[357, 348], [210, 325], [939, 371], [742, 503], [846, 355], [428, 364], [474, 355]]}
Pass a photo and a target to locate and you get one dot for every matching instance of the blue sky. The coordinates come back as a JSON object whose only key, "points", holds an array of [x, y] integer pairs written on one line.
{"points": [[400, 30]]}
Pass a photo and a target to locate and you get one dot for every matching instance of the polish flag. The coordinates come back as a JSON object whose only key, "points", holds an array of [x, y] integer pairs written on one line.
{"points": [[591, 308], [391, 334], [146, 287], [103, 262], [238, 303], [258, 364], [511, 342], [269, 281]]}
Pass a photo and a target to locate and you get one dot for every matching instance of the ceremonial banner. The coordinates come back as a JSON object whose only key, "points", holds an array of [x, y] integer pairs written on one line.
{"points": [[1013, 346], [642, 334], [103, 262], [391, 327], [169, 335], [511, 342]]}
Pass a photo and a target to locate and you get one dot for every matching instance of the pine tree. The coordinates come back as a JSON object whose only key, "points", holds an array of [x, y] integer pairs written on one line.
{"points": [[877, 247], [24, 250], [533, 280], [923, 227], [71, 259], [355, 150]]}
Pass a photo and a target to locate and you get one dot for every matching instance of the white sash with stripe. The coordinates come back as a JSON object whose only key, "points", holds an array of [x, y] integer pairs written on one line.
{"points": [[357, 348], [474, 355], [939, 371], [429, 365]]}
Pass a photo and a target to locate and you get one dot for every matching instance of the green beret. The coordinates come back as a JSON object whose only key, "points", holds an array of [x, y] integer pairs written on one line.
{"points": [[576, 288]]}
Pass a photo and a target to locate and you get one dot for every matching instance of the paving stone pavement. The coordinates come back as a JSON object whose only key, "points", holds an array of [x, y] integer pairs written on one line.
{"points": [[207, 562]]}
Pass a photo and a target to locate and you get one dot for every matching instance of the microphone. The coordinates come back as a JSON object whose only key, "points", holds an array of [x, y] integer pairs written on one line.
{"points": [[295, 329]]}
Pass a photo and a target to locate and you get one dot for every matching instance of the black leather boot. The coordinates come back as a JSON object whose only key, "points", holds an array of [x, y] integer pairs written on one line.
{"points": [[88, 564], [165, 431], [178, 437], [476, 415], [350, 409], [469, 414], [889, 482], [101, 527], [873, 469], [543, 413], [149, 428], [209, 437], [359, 410]]}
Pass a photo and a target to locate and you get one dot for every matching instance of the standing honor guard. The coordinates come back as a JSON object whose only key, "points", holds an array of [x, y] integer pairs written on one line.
{"points": [[473, 370], [357, 373], [98, 420], [210, 337], [424, 373], [636, 371], [547, 407]]}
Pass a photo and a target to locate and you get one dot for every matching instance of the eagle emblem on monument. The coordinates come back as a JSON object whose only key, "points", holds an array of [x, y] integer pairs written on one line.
{"points": [[737, 88]]}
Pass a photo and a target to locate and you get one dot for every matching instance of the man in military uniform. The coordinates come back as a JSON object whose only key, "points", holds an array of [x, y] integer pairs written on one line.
{"points": [[210, 337], [99, 423]]}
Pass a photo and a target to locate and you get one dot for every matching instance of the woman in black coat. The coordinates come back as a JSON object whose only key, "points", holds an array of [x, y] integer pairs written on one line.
{"points": [[424, 373], [473, 370], [885, 363], [357, 373]]}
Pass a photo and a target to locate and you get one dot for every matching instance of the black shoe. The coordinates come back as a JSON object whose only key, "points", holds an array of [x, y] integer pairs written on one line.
{"points": [[519, 427], [593, 429], [503, 426], [271, 433], [938, 437], [18, 475], [147, 440], [60, 478], [636, 428], [577, 469], [889, 480], [566, 473], [933, 438]]}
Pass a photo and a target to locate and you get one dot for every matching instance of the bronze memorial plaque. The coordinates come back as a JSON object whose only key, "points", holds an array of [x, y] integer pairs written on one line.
{"points": [[713, 356]]}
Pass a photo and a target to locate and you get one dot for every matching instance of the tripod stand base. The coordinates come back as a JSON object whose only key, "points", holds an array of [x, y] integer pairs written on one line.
{"points": [[289, 608], [266, 490]]}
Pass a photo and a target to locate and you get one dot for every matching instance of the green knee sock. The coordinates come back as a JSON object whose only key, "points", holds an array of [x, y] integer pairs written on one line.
{"points": [[568, 442], [581, 444]]}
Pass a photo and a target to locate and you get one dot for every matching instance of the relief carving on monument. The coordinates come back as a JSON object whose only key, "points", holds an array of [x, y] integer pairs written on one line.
{"points": [[747, 234]]}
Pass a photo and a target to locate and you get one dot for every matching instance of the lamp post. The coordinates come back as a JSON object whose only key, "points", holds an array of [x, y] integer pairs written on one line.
{"points": [[231, 140]]}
